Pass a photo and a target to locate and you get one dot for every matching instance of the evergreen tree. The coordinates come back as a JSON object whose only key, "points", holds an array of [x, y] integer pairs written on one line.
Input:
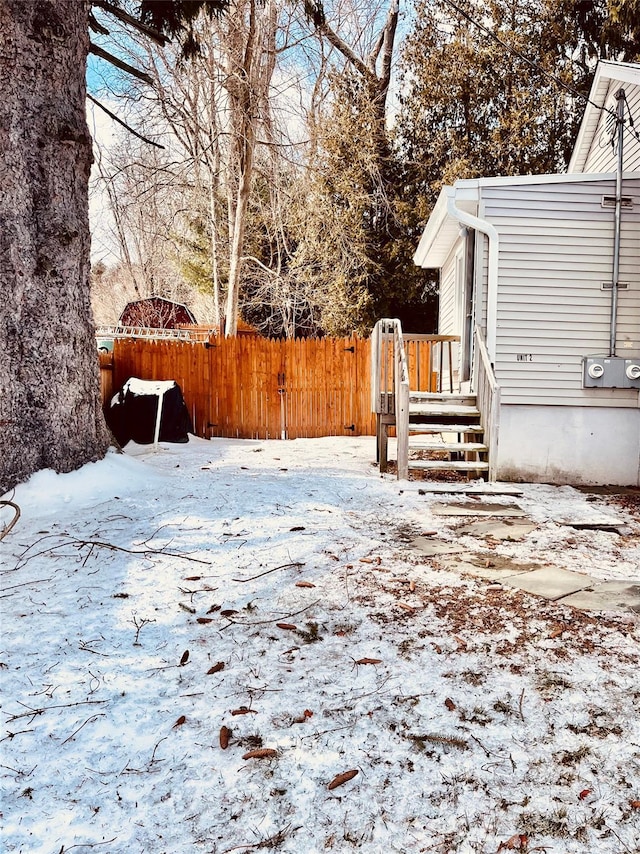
{"points": [[500, 96]]}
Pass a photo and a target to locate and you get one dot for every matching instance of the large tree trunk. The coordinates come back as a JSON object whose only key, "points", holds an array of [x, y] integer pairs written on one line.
{"points": [[50, 412]]}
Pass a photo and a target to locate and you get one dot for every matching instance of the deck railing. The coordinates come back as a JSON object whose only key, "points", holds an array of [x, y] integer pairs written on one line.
{"points": [[401, 362], [488, 399]]}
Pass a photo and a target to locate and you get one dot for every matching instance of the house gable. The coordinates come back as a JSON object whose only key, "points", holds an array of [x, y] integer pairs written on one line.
{"points": [[594, 150]]}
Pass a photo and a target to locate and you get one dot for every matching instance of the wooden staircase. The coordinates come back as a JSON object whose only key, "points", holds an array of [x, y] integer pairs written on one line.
{"points": [[436, 430], [445, 434]]}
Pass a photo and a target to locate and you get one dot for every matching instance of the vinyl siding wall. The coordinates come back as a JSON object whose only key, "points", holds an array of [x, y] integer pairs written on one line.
{"points": [[447, 303], [447, 319], [602, 157], [556, 249]]}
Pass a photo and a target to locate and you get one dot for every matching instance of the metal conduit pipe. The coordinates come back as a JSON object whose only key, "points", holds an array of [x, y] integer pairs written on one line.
{"points": [[620, 98]]}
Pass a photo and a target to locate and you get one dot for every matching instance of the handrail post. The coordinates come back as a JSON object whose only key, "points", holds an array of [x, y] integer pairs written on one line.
{"points": [[402, 403], [488, 397]]}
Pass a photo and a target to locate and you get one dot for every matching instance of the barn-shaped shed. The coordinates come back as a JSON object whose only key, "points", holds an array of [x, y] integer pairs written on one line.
{"points": [[156, 313], [544, 271]]}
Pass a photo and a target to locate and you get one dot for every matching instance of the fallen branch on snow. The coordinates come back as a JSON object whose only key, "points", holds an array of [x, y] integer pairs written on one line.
{"points": [[35, 712], [79, 544], [16, 516], [267, 571]]}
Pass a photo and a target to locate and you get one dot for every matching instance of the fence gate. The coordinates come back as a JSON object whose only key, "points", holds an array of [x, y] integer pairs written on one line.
{"points": [[250, 387]]}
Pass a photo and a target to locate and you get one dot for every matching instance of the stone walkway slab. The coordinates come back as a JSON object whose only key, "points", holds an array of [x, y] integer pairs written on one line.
{"points": [[549, 582], [469, 489], [499, 568], [432, 547], [477, 508], [608, 596], [497, 530]]}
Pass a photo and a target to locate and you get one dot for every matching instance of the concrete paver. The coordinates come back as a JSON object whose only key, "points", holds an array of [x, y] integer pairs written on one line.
{"points": [[515, 529], [498, 568], [608, 596], [550, 582], [477, 508], [432, 547]]}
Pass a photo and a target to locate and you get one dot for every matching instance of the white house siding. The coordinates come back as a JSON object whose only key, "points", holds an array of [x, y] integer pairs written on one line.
{"points": [[556, 245], [447, 302], [569, 444], [481, 276], [602, 157], [448, 321]]}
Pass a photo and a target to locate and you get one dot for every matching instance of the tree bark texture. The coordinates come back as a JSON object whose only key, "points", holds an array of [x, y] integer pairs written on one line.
{"points": [[50, 409]]}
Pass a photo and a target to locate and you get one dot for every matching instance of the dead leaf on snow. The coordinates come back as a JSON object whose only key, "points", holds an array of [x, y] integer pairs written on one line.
{"points": [[558, 630], [261, 753], [225, 735], [339, 779], [450, 704], [517, 842]]}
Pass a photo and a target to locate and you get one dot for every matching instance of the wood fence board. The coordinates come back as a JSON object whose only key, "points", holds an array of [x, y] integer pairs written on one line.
{"points": [[252, 387]]}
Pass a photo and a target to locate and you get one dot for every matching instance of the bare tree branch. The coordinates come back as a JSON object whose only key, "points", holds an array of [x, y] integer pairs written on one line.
{"points": [[119, 63], [124, 124]]}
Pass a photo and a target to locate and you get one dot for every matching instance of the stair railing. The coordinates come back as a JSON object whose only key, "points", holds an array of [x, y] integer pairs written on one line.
{"points": [[488, 399], [390, 391]]}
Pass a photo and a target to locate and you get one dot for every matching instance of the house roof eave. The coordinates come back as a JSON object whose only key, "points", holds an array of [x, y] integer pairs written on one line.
{"points": [[442, 230]]}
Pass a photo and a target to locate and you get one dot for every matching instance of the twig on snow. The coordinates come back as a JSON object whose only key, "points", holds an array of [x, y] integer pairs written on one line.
{"points": [[16, 516], [153, 755], [520, 704], [274, 620], [24, 584], [269, 842], [14, 734], [267, 571], [40, 711], [63, 850], [79, 543], [88, 721]]}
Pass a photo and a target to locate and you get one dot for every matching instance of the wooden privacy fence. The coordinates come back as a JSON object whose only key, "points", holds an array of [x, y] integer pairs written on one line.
{"points": [[251, 387]]}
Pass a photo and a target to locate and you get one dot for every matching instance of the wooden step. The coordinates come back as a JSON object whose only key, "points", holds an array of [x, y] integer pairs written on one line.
{"points": [[445, 428], [440, 410], [446, 399], [447, 465], [457, 447]]}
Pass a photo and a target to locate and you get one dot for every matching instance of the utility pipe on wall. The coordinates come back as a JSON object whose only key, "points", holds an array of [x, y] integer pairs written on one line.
{"points": [[620, 98]]}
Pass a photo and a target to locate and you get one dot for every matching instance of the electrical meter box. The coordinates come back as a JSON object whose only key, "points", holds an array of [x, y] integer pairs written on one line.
{"points": [[610, 372]]}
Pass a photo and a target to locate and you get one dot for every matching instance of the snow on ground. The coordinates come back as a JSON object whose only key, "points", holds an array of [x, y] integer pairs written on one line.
{"points": [[264, 592]]}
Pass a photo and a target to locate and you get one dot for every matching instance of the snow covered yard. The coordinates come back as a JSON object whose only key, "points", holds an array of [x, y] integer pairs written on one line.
{"points": [[168, 616]]}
